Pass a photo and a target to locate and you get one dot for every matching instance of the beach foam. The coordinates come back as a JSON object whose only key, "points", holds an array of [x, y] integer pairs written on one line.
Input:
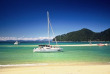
{"points": [[16, 65]]}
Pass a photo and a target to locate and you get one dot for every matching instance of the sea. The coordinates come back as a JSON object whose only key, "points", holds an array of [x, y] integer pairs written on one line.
{"points": [[23, 53]]}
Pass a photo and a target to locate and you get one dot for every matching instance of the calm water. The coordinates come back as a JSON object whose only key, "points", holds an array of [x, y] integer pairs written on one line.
{"points": [[23, 53]]}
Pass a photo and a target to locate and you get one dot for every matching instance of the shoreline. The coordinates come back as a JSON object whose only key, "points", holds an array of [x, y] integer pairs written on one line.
{"points": [[52, 45], [79, 45], [81, 41], [55, 64]]}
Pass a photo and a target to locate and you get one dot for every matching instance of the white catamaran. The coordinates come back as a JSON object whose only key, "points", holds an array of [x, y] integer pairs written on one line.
{"points": [[48, 48]]}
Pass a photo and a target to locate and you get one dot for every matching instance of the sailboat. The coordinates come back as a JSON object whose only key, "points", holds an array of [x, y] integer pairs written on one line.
{"points": [[90, 42], [16, 43], [48, 48]]}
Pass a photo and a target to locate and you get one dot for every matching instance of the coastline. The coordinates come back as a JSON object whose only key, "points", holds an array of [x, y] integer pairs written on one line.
{"points": [[79, 45], [52, 45], [55, 64], [81, 41]]}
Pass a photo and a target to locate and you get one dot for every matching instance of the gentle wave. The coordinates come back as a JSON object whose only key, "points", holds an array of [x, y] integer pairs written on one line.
{"points": [[12, 65]]}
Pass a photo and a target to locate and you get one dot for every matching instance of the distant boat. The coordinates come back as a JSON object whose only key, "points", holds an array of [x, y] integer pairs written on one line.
{"points": [[90, 42], [106, 44], [100, 44], [48, 48], [16, 43]]}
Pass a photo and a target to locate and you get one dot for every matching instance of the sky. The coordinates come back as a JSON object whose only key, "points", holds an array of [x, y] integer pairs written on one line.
{"points": [[28, 18]]}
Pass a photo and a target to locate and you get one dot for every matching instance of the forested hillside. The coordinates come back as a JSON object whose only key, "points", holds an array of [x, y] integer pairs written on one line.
{"points": [[85, 35]]}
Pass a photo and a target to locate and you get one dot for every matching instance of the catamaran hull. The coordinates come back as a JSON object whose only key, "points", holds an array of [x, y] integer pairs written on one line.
{"points": [[47, 50]]}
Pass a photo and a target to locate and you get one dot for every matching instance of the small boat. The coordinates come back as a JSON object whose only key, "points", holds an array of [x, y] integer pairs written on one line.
{"points": [[100, 44], [48, 48], [16, 43], [106, 44], [90, 42]]}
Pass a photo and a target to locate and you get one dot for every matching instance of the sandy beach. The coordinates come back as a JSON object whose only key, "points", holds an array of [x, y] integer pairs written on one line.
{"points": [[79, 45], [58, 69]]}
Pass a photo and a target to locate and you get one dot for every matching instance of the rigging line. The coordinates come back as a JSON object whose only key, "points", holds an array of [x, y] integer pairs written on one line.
{"points": [[53, 32]]}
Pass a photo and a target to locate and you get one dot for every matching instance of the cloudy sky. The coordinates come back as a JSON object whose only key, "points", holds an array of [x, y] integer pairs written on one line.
{"points": [[28, 18]]}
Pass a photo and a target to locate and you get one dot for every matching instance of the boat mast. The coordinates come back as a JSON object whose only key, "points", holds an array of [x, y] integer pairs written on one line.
{"points": [[48, 27]]}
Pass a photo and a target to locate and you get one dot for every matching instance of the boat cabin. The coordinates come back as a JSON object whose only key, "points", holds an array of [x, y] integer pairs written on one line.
{"points": [[46, 46], [41, 46]]}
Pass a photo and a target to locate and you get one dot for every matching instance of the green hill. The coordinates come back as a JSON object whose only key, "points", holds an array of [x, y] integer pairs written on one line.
{"points": [[85, 35]]}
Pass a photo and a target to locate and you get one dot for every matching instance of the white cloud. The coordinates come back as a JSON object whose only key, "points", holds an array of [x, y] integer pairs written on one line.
{"points": [[7, 38], [14, 38]]}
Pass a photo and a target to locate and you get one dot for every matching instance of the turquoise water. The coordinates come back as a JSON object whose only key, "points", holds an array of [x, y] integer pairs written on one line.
{"points": [[23, 53]]}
